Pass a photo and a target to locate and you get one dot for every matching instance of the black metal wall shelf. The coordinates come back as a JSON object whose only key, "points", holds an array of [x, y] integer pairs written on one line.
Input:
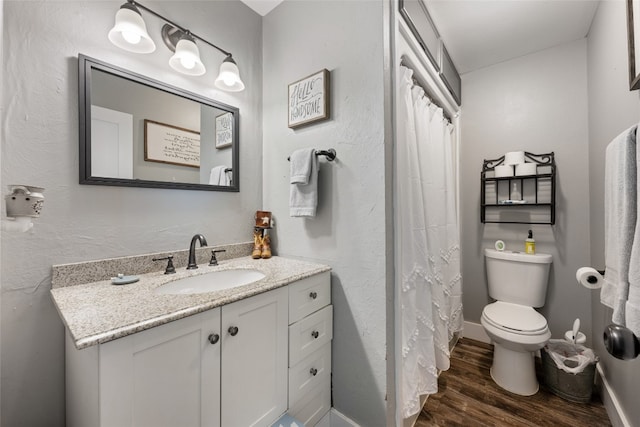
{"points": [[524, 195]]}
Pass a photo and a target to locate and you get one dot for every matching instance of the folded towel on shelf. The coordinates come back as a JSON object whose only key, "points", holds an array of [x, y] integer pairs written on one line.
{"points": [[303, 195], [620, 215], [218, 176]]}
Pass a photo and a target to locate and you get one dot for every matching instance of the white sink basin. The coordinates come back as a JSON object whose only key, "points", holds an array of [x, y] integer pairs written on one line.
{"points": [[210, 282]]}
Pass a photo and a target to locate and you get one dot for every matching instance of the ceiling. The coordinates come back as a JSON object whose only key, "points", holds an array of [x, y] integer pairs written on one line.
{"points": [[479, 33], [262, 6]]}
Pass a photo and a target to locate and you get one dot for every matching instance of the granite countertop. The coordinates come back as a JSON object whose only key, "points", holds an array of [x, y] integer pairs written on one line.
{"points": [[99, 312]]}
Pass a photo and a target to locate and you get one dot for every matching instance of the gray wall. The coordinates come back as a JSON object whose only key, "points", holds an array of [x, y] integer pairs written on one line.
{"points": [[612, 109], [40, 147], [345, 37], [536, 103]]}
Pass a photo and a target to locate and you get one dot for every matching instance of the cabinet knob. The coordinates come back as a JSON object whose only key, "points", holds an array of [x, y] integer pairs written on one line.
{"points": [[233, 331], [313, 295], [214, 338], [313, 371], [315, 334]]}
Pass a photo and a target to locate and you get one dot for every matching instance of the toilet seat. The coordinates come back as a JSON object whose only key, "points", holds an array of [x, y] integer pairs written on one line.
{"points": [[515, 318]]}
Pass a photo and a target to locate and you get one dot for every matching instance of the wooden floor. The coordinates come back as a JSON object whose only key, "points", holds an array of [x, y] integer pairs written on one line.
{"points": [[468, 397]]}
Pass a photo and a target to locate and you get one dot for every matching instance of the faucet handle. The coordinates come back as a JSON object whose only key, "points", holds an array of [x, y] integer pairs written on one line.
{"points": [[214, 260], [170, 269]]}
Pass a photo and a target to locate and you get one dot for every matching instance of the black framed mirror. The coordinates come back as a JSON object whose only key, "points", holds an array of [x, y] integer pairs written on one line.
{"points": [[139, 132]]}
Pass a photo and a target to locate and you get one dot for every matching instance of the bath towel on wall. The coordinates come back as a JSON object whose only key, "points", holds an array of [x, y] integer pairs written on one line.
{"points": [[632, 305], [303, 191], [620, 221], [218, 176]]}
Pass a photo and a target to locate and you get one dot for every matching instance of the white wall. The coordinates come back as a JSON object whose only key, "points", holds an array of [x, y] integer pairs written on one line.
{"points": [[536, 103], [612, 109], [41, 41], [345, 37]]}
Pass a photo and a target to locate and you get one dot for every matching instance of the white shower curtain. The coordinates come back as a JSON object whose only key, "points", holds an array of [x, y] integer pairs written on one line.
{"points": [[427, 242]]}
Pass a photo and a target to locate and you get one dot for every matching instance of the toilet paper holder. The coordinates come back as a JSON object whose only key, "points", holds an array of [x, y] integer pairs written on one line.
{"points": [[594, 279]]}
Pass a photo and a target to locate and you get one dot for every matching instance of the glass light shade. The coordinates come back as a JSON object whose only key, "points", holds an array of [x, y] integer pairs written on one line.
{"points": [[229, 77], [130, 32], [186, 60]]}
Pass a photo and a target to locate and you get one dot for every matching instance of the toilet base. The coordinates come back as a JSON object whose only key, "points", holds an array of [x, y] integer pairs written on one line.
{"points": [[514, 371]]}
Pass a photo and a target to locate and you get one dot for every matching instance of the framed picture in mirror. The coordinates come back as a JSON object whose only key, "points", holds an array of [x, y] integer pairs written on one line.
{"points": [[633, 32], [224, 130], [169, 144]]}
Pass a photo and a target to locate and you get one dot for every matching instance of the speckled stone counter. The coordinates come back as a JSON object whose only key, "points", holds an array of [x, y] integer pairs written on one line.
{"points": [[99, 312]]}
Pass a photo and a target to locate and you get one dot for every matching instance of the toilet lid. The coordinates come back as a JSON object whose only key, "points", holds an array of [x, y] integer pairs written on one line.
{"points": [[515, 317]]}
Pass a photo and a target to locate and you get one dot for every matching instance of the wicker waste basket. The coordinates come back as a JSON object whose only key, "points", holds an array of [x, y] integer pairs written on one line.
{"points": [[569, 369]]}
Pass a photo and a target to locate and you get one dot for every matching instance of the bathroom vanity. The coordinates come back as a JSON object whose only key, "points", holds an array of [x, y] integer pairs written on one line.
{"points": [[235, 357]]}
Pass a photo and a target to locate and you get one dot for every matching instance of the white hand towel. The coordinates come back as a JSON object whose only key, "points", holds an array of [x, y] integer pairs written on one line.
{"points": [[620, 220], [218, 176], [301, 163], [632, 307], [303, 195]]}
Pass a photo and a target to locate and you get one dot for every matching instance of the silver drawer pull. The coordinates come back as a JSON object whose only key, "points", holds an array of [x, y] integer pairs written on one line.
{"points": [[214, 338], [315, 334], [313, 295], [313, 371]]}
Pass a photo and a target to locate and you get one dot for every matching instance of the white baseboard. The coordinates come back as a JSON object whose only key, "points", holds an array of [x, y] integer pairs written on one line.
{"points": [[610, 400], [340, 420], [475, 331]]}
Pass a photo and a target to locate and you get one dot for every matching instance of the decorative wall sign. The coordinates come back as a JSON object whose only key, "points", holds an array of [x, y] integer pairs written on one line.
{"points": [[170, 144], [309, 99], [224, 130]]}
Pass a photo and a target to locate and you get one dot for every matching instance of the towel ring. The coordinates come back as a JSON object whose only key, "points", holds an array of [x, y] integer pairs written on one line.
{"points": [[330, 154]]}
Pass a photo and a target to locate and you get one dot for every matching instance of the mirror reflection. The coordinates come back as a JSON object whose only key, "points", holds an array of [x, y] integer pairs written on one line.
{"points": [[140, 132]]}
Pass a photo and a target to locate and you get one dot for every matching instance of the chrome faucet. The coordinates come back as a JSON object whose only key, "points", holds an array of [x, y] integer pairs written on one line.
{"points": [[192, 250]]}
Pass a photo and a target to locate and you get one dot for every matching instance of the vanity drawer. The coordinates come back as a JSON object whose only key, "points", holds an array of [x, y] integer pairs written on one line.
{"points": [[309, 373], [309, 334], [313, 405], [309, 295]]}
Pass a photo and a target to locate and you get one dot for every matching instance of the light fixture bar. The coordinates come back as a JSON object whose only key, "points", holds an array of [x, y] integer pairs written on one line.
{"points": [[181, 28]]}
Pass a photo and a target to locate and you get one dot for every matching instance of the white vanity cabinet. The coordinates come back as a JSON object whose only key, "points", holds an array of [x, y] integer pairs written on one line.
{"points": [[310, 334], [173, 374], [254, 360]]}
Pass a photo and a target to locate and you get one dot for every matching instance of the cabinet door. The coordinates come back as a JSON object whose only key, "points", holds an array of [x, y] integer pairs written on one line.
{"points": [[165, 376], [254, 360]]}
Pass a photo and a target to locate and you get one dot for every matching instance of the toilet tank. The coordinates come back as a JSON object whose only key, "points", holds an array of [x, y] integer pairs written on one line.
{"points": [[517, 277]]}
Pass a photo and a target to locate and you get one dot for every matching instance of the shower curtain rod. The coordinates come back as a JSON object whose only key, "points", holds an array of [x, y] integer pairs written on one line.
{"points": [[415, 81]]}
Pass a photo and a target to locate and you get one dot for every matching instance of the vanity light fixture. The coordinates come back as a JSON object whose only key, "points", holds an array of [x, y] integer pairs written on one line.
{"points": [[186, 58], [130, 33]]}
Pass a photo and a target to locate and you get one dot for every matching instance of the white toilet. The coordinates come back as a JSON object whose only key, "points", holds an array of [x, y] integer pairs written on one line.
{"points": [[518, 282]]}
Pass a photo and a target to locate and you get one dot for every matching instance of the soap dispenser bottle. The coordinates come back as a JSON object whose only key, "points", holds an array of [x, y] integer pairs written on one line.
{"points": [[530, 244]]}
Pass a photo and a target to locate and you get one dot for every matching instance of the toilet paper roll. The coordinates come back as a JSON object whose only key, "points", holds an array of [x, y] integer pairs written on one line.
{"points": [[503, 170], [514, 158], [589, 278], [526, 169]]}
